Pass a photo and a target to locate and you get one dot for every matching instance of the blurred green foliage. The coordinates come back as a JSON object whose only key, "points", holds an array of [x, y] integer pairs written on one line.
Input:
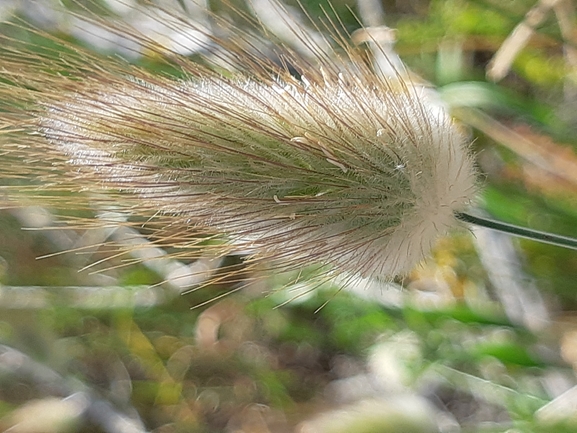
{"points": [[241, 364]]}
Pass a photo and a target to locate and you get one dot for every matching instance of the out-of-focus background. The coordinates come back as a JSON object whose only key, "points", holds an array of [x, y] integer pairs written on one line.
{"points": [[482, 337]]}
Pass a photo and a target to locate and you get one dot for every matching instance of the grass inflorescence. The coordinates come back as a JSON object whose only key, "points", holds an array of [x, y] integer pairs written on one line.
{"points": [[297, 160]]}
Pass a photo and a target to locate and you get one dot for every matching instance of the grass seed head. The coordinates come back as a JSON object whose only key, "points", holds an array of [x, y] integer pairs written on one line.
{"points": [[342, 166]]}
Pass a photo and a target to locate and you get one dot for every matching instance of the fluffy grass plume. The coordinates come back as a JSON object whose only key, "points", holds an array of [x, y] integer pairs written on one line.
{"points": [[297, 159]]}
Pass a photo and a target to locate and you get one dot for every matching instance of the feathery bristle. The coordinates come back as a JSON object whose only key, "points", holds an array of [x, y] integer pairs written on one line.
{"points": [[342, 167]]}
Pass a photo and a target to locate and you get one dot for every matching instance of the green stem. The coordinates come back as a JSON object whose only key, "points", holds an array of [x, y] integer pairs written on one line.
{"points": [[523, 232]]}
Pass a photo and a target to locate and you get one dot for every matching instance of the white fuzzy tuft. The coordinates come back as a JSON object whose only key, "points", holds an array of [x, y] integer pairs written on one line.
{"points": [[344, 172]]}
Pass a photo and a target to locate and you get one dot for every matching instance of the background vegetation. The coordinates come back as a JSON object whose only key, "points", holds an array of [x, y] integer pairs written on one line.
{"points": [[480, 338]]}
